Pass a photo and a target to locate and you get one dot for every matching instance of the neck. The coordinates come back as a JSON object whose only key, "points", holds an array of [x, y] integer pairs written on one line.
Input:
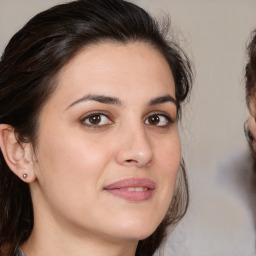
{"points": [[51, 238], [50, 243]]}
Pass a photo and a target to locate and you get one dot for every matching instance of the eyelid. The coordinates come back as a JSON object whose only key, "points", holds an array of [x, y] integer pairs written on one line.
{"points": [[94, 113], [169, 118]]}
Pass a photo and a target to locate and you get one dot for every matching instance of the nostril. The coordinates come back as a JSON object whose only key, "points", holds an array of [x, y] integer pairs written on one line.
{"points": [[130, 160]]}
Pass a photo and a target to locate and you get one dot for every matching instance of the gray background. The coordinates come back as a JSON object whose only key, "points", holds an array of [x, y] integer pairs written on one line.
{"points": [[220, 220]]}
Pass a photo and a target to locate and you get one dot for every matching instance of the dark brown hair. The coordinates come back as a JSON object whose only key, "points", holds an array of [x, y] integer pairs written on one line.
{"points": [[250, 70], [28, 70], [250, 86]]}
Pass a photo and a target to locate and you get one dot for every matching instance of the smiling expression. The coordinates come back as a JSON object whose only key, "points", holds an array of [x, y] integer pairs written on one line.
{"points": [[108, 146]]}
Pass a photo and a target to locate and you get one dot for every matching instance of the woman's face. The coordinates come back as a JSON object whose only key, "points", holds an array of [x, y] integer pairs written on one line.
{"points": [[108, 146]]}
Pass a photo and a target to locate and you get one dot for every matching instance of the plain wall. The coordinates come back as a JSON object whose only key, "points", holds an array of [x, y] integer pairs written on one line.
{"points": [[220, 220]]}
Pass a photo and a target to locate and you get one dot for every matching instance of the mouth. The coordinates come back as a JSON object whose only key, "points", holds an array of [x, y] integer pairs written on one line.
{"points": [[135, 190]]}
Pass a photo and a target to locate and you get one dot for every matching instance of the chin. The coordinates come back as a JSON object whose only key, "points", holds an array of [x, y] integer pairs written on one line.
{"points": [[137, 229]]}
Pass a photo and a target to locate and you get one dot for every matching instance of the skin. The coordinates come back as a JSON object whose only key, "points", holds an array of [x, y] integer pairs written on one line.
{"points": [[74, 160], [252, 123]]}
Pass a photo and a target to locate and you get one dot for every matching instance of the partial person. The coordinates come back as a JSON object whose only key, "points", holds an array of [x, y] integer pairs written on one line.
{"points": [[250, 79]]}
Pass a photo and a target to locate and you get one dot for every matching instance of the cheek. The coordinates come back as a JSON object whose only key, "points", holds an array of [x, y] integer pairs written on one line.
{"points": [[169, 154], [71, 159], [76, 164], [168, 159]]}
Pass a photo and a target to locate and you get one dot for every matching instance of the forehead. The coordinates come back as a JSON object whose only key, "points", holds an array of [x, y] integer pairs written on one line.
{"points": [[117, 69]]}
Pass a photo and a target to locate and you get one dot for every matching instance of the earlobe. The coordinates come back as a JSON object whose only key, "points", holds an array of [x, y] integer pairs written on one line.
{"points": [[18, 156]]}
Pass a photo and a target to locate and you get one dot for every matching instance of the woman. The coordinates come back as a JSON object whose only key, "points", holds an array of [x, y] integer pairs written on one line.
{"points": [[90, 95]]}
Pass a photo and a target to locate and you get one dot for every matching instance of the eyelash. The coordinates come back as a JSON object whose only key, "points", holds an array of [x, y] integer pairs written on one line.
{"points": [[94, 114], [169, 120]]}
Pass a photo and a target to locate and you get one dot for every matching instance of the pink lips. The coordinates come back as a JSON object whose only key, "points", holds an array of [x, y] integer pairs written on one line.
{"points": [[132, 189]]}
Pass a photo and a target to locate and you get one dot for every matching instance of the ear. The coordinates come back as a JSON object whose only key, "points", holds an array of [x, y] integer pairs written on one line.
{"points": [[18, 156]]}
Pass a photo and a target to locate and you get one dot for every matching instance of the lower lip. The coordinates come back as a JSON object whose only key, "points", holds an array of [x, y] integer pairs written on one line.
{"points": [[135, 196]]}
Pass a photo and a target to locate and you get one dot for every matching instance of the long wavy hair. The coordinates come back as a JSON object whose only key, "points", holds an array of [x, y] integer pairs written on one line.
{"points": [[28, 68]]}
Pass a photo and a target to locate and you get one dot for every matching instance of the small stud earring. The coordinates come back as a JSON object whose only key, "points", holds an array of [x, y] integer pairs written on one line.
{"points": [[25, 175]]}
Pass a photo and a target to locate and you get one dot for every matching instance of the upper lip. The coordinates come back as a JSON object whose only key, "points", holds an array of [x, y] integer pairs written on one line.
{"points": [[132, 183]]}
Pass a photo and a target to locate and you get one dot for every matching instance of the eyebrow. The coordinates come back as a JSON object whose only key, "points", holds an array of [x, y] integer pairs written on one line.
{"points": [[115, 101], [98, 98], [162, 99]]}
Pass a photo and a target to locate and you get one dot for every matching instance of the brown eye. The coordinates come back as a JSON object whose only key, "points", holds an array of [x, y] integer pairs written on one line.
{"points": [[153, 119], [96, 120], [160, 120]]}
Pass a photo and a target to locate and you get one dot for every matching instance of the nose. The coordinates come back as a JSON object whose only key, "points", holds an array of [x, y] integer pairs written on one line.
{"points": [[134, 148]]}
